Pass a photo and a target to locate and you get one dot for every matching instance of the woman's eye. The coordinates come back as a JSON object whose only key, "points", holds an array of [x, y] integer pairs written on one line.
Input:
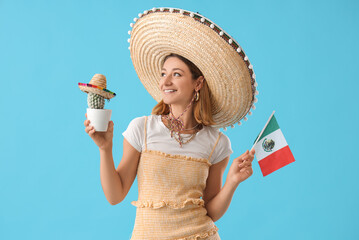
{"points": [[174, 74]]}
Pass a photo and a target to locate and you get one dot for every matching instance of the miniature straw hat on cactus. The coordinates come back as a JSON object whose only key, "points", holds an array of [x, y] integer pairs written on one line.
{"points": [[159, 32], [97, 91]]}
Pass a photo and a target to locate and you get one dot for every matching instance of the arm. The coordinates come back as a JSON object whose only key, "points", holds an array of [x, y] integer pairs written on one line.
{"points": [[117, 183], [217, 199]]}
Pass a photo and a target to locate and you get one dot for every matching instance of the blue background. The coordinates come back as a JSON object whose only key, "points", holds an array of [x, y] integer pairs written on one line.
{"points": [[304, 53]]}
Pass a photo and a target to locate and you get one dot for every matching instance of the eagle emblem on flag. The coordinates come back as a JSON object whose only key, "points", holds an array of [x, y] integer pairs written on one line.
{"points": [[268, 145]]}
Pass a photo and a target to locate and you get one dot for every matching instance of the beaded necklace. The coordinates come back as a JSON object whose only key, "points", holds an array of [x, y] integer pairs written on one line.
{"points": [[181, 142], [176, 125]]}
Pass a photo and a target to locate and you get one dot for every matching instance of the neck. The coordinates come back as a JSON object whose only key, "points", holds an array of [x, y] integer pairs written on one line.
{"points": [[188, 118]]}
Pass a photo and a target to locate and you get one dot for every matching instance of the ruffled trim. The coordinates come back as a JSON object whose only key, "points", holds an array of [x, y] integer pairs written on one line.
{"points": [[200, 235], [173, 156], [167, 203]]}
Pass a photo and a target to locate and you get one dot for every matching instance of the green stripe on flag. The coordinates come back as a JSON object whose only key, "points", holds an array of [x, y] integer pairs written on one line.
{"points": [[271, 127], [256, 138]]}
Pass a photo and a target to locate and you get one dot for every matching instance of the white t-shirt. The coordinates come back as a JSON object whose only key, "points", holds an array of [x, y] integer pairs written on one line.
{"points": [[159, 139]]}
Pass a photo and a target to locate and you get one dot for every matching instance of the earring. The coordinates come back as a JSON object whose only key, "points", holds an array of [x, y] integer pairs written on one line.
{"points": [[197, 96]]}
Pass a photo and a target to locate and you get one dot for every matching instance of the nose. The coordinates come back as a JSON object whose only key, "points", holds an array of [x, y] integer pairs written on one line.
{"points": [[167, 80]]}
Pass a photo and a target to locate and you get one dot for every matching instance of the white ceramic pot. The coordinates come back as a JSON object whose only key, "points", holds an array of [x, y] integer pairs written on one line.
{"points": [[99, 118]]}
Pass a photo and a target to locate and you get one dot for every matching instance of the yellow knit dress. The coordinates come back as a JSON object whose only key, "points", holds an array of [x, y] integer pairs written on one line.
{"points": [[169, 204]]}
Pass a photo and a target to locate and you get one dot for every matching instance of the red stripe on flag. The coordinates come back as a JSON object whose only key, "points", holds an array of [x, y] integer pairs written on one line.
{"points": [[276, 160]]}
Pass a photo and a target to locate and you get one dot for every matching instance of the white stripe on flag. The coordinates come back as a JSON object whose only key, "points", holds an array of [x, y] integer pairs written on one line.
{"points": [[279, 142]]}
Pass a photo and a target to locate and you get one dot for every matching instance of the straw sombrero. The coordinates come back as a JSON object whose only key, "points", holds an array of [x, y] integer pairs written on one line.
{"points": [[97, 85], [229, 74]]}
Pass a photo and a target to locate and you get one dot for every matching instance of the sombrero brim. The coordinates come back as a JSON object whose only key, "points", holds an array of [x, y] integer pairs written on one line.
{"points": [[226, 68], [86, 87]]}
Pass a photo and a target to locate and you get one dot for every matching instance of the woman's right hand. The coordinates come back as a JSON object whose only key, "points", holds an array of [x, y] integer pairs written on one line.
{"points": [[102, 139]]}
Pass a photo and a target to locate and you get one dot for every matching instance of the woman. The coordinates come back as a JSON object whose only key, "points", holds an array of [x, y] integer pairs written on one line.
{"points": [[178, 156]]}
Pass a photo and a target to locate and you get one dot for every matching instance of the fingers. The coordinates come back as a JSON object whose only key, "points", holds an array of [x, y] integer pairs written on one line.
{"points": [[244, 154], [87, 123], [110, 126], [249, 155], [245, 159], [249, 170], [90, 130], [246, 168], [245, 164]]}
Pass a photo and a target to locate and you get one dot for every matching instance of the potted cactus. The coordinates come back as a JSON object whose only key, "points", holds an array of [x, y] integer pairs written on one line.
{"points": [[96, 95]]}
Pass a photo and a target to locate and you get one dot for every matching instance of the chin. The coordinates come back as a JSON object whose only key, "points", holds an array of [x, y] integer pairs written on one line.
{"points": [[173, 100], [168, 100]]}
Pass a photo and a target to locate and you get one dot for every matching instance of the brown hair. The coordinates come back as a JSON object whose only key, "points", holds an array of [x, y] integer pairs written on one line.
{"points": [[202, 109]]}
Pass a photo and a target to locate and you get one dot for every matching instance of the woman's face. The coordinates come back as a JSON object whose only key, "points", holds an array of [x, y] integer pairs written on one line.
{"points": [[176, 84]]}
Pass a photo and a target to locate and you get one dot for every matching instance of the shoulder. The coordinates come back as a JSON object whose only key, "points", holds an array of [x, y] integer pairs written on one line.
{"points": [[224, 140], [222, 145], [143, 118], [135, 126], [213, 132], [134, 133], [138, 121]]}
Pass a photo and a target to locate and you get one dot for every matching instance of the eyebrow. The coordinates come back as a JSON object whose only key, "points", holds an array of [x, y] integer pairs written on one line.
{"points": [[174, 69]]}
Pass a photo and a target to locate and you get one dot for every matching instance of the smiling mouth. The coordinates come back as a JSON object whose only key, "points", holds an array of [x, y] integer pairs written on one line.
{"points": [[169, 91]]}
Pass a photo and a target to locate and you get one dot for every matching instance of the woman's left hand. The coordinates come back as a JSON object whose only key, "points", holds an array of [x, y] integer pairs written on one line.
{"points": [[241, 168]]}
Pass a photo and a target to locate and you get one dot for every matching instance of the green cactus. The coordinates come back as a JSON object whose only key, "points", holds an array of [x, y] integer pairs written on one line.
{"points": [[95, 101]]}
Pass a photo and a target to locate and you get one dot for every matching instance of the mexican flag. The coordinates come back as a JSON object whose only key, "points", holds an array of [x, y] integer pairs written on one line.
{"points": [[272, 150]]}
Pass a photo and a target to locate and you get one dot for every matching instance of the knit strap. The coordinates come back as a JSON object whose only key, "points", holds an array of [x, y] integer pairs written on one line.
{"points": [[145, 133], [219, 135]]}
